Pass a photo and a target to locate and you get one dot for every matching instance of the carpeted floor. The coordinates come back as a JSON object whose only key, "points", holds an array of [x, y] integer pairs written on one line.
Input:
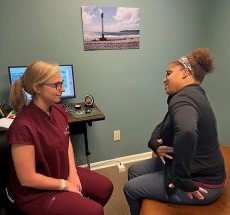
{"points": [[117, 204]]}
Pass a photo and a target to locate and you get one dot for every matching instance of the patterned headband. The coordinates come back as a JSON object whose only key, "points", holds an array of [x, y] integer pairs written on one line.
{"points": [[185, 63]]}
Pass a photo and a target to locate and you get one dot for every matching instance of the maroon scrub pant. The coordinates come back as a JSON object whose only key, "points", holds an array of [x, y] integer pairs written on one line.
{"points": [[96, 190]]}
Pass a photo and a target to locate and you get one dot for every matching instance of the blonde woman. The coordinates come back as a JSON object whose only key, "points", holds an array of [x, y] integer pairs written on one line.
{"points": [[45, 179]]}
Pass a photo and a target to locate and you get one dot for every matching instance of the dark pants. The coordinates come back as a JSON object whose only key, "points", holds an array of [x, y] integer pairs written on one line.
{"points": [[146, 180], [96, 190]]}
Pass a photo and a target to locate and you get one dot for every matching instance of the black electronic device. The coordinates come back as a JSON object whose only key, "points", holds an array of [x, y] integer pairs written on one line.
{"points": [[67, 73], [89, 101]]}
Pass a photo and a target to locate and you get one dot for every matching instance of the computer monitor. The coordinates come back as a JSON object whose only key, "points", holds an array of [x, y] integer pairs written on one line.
{"points": [[67, 73], [68, 78]]}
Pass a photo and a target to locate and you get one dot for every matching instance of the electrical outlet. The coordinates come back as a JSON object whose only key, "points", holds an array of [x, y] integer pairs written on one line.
{"points": [[121, 166], [116, 135]]}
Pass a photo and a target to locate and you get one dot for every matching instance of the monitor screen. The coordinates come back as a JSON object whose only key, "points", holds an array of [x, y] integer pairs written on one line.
{"points": [[68, 78], [67, 73]]}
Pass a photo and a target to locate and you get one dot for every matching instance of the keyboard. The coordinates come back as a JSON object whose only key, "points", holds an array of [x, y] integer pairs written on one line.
{"points": [[69, 107]]}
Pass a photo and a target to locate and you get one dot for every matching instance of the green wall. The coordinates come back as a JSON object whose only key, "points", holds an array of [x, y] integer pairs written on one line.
{"points": [[126, 84], [217, 84]]}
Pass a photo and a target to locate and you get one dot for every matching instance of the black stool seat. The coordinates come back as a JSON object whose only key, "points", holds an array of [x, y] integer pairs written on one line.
{"points": [[5, 154]]}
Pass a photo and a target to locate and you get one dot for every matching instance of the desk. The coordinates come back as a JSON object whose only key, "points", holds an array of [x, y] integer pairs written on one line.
{"points": [[78, 121]]}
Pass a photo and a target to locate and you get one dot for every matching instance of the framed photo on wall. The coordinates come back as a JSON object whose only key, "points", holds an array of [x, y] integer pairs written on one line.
{"points": [[110, 28]]}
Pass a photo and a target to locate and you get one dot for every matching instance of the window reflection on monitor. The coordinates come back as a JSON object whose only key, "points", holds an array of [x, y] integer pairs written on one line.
{"points": [[67, 73]]}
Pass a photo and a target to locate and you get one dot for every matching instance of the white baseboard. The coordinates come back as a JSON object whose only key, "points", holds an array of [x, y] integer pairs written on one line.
{"points": [[124, 160]]}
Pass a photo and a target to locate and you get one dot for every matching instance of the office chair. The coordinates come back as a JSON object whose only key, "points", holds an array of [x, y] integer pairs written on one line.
{"points": [[5, 154]]}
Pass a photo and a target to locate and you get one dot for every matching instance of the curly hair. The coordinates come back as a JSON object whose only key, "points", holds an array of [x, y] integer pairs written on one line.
{"points": [[201, 62]]}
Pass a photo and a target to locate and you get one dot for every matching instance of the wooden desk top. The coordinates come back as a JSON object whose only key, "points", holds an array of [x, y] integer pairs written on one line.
{"points": [[80, 116]]}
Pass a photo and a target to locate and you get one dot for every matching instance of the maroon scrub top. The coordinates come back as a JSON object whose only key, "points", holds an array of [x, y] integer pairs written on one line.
{"points": [[50, 136]]}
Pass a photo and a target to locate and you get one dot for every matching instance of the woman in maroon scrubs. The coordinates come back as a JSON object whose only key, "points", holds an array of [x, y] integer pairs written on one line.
{"points": [[45, 179]]}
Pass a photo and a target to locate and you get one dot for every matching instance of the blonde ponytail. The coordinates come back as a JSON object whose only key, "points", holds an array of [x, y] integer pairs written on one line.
{"points": [[17, 95]]}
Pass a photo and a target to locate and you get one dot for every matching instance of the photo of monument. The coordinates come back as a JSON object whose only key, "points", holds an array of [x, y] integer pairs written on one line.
{"points": [[110, 28]]}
